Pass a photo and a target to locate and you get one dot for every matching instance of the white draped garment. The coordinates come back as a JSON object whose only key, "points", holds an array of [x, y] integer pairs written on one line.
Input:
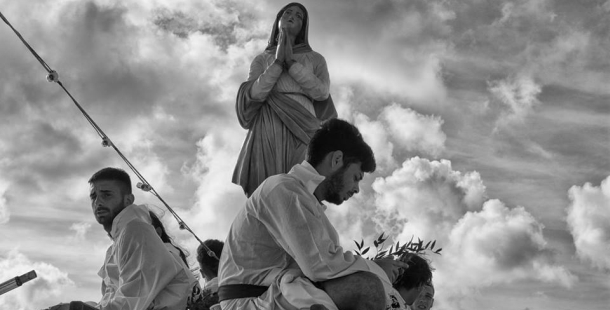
{"points": [[139, 272], [283, 239]]}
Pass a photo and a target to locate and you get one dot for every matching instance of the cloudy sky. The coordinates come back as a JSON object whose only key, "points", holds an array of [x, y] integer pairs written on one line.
{"points": [[490, 122]]}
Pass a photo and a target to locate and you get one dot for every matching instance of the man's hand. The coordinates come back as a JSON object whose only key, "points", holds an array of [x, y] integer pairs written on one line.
{"points": [[392, 268]]}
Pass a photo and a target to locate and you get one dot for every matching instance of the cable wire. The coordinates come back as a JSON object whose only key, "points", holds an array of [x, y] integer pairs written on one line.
{"points": [[53, 76]]}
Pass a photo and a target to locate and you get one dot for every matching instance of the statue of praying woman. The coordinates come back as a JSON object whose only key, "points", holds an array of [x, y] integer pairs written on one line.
{"points": [[283, 102]]}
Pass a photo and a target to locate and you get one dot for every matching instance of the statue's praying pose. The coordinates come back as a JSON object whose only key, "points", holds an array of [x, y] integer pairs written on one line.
{"points": [[283, 102]]}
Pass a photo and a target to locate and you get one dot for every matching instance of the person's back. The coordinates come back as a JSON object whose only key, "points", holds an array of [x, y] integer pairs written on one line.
{"points": [[282, 252], [255, 240], [124, 270], [178, 255]]}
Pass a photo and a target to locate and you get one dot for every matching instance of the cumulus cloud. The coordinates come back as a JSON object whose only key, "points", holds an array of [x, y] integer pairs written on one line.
{"points": [[503, 245], [398, 132], [589, 221], [517, 96], [160, 78], [430, 194], [413, 131], [80, 229], [38, 293], [217, 199], [490, 242], [377, 136]]}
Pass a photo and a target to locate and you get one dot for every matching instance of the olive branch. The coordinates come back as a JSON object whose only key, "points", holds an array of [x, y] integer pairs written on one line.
{"points": [[396, 250]]}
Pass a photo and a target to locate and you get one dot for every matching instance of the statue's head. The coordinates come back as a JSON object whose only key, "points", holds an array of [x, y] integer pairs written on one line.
{"points": [[295, 19]]}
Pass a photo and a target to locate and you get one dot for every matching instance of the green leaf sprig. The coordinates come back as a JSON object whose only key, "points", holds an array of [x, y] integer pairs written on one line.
{"points": [[396, 250]]}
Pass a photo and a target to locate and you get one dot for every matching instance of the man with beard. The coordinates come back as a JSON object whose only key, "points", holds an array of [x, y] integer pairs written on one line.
{"points": [[138, 272], [283, 253]]}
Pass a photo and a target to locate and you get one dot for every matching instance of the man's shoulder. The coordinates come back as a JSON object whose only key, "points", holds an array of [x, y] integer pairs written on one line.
{"points": [[275, 189], [281, 182], [279, 191], [136, 228]]}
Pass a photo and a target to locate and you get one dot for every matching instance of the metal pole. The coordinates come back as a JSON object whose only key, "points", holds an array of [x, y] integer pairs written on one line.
{"points": [[16, 282]]}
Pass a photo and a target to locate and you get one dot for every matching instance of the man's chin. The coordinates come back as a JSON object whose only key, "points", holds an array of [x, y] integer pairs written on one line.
{"points": [[102, 220], [335, 200]]}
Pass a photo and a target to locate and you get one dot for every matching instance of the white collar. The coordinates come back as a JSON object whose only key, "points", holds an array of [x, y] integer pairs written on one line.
{"points": [[308, 175], [130, 213]]}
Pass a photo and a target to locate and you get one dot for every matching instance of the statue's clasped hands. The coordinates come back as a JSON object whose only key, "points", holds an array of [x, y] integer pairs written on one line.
{"points": [[283, 53]]}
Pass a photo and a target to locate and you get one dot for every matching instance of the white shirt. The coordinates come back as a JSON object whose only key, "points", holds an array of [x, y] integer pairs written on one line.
{"points": [[139, 272], [195, 288], [283, 226]]}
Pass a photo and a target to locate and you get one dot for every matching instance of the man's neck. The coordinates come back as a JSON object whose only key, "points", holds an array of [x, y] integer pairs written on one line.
{"points": [[320, 191], [108, 227], [319, 194]]}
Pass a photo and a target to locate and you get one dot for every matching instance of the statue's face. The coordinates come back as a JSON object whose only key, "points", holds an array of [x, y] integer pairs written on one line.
{"points": [[292, 20]]}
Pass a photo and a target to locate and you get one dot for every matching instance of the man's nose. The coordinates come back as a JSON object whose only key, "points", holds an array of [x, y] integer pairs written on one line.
{"points": [[97, 202]]}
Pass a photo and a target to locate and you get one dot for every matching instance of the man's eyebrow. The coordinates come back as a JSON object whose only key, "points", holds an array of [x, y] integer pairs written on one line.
{"points": [[104, 191]]}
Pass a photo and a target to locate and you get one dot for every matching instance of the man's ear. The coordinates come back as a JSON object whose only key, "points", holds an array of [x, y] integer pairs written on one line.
{"points": [[129, 199], [336, 160]]}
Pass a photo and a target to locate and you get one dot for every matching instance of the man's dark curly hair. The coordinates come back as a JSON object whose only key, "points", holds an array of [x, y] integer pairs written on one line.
{"points": [[418, 273], [113, 174], [339, 135], [206, 260]]}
